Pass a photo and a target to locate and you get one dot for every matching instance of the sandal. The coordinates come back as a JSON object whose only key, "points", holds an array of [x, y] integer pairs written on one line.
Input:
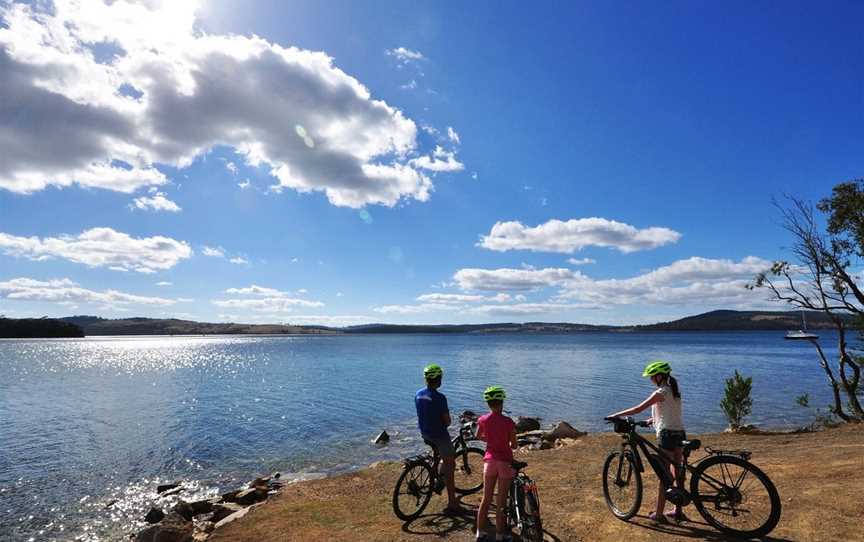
{"points": [[661, 519]]}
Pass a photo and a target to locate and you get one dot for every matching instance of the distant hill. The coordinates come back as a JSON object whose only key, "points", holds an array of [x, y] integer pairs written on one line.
{"points": [[728, 320], [719, 320], [33, 328], [93, 325]]}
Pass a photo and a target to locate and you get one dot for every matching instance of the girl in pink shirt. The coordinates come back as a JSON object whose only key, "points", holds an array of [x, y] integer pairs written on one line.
{"points": [[499, 432]]}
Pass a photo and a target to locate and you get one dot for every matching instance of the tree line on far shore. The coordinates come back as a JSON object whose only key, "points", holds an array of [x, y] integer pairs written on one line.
{"points": [[31, 328]]}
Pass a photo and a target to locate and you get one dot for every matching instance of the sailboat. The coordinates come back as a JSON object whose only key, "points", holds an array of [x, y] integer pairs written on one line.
{"points": [[801, 335]]}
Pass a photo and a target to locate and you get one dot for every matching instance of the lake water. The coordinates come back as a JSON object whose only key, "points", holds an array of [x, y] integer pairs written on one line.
{"points": [[89, 427]]}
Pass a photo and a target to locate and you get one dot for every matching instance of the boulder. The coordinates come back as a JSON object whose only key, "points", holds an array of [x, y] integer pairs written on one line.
{"points": [[382, 438], [171, 529], [155, 515], [223, 510], [524, 424], [166, 487], [233, 517], [563, 430], [231, 496], [251, 496], [259, 482], [184, 510]]}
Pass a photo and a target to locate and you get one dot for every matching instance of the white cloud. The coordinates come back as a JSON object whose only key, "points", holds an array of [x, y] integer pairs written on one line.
{"points": [[693, 281], [255, 290], [581, 261], [440, 160], [164, 283], [409, 86], [404, 55], [101, 247], [172, 93], [156, 203], [575, 234], [66, 291], [244, 185], [239, 260], [522, 309], [453, 135], [213, 252], [232, 167], [513, 279], [462, 298], [267, 304]]}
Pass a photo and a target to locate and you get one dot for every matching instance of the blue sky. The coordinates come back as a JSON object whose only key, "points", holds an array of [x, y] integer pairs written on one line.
{"points": [[351, 162]]}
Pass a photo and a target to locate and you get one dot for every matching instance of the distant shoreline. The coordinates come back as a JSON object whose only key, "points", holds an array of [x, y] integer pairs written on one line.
{"points": [[90, 326]]}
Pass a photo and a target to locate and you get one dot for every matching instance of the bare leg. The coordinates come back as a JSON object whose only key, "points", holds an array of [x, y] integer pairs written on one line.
{"points": [[501, 504], [679, 476], [447, 469], [661, 492], [488, 491]]}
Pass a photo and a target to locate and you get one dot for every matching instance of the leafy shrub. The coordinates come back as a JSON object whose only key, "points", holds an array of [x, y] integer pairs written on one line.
{"points": [[736, 402]]}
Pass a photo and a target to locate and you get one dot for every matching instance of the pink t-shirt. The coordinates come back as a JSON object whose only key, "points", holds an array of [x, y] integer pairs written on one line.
{"points": [[496, 428]]}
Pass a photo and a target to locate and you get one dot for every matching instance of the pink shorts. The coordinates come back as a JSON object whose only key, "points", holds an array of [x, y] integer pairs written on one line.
{"points": [[497, 469]]}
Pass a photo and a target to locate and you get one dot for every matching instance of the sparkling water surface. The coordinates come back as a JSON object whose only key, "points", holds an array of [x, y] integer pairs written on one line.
{"points": [[89, 427]]}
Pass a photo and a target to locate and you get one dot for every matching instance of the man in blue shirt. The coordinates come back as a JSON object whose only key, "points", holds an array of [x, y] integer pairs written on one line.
{"points": [[433, 418]]}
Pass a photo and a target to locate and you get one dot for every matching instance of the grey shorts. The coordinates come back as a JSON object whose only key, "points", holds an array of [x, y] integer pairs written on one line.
{"points": [[442, 444], [669, 439]]}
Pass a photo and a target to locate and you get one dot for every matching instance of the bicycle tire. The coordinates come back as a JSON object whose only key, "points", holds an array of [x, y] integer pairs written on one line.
{"points": [[410, 501], [468, 476], [629, 478], [702, 482], [532, 526]]}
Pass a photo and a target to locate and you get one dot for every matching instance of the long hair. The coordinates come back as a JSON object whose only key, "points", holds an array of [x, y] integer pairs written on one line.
{"points": [[674, 385]]}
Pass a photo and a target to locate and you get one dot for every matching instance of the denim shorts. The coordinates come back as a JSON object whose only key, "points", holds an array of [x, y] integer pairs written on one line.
{"points": [[669, 439], [442, 444]]}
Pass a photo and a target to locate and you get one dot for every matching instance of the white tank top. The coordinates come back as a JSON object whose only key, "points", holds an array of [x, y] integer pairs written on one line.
{"points": [[667, 413]]}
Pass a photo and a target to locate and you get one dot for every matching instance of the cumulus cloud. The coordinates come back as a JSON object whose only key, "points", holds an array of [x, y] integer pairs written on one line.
{"points": [[213, 252], [696, 281], [101, 247], [263, 299], [170, 94], [255, 290], [453, 135], [581, 261], [66, 291], [462, 298], [158, 202], [575, 234], [441, 160], [404, 56], [239, 260], [513, 279]]}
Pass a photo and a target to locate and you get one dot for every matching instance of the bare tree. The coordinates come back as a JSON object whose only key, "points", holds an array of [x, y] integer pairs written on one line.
{"points": [[820, 279]]}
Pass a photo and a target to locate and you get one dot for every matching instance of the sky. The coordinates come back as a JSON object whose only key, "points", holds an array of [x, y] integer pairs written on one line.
{"points": [[349, 162]]}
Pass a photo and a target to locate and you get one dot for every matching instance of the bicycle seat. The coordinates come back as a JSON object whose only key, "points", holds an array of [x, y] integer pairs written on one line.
{"points": [[518, 465], [690, 445]]}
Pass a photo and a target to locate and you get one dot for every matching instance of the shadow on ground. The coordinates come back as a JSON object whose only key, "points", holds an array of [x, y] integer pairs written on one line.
{"points": [[696, 530]]}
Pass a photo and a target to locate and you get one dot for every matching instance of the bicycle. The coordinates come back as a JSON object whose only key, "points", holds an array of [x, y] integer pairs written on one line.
{"points": [[523, 505], [719, 485], [420, 477]]}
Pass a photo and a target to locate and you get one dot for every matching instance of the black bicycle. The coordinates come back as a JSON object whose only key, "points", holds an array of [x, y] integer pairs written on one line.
{"points": [[420, 477], [523, 506], [731, 493]]}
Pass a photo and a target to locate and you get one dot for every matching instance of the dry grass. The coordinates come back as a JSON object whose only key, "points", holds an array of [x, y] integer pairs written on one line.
{"points": [[818, 475]]}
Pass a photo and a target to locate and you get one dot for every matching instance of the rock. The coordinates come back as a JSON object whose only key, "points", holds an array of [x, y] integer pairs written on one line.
{"points": [[382, 438], [166, 487], [155, 515], [184, 510], [200, 536], [171, 529], [563, 430], [545, 445], [524, 424], [223, 510], [538, 433], [233, 517], [259, 482], [251, 496], [231, 496]]}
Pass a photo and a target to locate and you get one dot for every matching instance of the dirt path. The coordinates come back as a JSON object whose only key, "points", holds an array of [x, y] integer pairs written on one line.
{"points": [[820, 477]]}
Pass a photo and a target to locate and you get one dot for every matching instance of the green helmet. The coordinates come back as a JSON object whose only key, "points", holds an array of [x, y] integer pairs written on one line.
{"points": [[433, 371], [494, 393], [658, 367]]}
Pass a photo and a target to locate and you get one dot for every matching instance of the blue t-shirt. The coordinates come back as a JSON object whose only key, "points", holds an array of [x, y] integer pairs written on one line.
{"points": [[431, 407]]}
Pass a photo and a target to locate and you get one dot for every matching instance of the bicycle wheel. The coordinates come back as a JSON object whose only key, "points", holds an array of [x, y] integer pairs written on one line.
{"points": [[413, 491], [469, 470], [532, 527], [622, 484], [735, 496]]}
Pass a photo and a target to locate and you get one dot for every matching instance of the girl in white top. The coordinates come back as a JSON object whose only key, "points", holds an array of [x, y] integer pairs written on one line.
{"points": [[665, 403]]}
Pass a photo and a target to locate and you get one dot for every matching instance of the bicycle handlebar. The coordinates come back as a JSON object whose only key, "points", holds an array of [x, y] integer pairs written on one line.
{"points": [[628, 419]]}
